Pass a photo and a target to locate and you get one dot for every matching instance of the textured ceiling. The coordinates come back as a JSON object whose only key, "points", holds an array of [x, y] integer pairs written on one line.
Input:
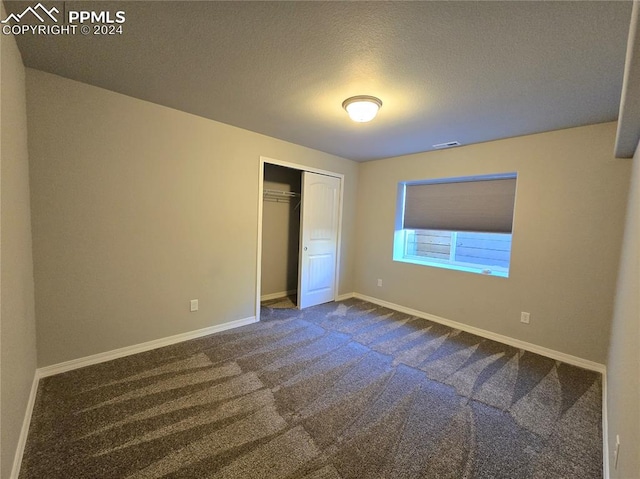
{"points": [[465, 71]]}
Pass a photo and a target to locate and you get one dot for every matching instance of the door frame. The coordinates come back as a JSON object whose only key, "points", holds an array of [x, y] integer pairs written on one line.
{"points": [[265, 160]]}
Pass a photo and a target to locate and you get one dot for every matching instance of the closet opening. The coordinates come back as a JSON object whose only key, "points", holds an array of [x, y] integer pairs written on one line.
{"points": [[299, 229], [281, 207]]}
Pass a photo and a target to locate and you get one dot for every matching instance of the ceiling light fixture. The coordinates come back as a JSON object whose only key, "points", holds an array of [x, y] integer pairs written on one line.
{"points": [[362, 108]]}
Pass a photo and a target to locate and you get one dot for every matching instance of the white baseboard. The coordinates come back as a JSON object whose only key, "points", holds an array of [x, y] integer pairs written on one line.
{"points": [[281, 294], [139, 348], [516, 343], [342, 297], [24, 432]]}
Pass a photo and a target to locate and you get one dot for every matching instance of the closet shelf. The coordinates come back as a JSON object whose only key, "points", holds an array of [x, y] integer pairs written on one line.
{"points": [[279, 194]]}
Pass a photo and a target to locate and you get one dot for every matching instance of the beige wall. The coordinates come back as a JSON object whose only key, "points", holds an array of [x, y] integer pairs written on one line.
{"points": [[568, 223], [623, 398], [280, 232], [17, 329], [138, 208]]}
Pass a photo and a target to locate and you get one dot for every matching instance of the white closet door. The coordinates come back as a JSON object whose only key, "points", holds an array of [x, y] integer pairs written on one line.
{"points": [[318, 239]]}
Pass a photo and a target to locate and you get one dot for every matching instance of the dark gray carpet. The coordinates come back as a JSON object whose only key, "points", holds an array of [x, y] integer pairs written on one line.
{"points": [[341, 390], [287, 302]]}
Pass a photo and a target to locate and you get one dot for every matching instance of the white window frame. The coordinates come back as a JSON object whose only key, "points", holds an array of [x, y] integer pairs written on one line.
{"points": [[400, 248]]}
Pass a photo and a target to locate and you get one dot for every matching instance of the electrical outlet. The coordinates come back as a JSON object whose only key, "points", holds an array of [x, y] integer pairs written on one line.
{"points": [[194, 305], [524, 317], [616, 453], [380, 283]]}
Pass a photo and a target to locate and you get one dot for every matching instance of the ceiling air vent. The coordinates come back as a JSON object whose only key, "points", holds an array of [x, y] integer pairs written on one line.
{"points": [[448, 144]]}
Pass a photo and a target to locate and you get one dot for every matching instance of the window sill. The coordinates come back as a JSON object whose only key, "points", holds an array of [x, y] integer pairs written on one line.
{"points": [[455, 267]]}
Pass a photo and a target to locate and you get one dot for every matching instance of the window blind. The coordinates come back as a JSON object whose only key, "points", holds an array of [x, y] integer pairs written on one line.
{"points": [[479, 205]]}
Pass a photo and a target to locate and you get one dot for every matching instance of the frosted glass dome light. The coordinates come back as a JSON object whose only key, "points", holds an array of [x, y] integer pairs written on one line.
{"points": [[362, 108]]}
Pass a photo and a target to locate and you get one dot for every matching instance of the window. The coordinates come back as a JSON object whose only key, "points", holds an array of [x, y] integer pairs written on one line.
{"points": [[457, 223]]}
